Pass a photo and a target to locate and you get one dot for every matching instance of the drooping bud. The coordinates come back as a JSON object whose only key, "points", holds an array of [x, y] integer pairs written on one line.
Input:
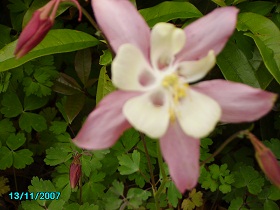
{"points": [[38, 27], [267, 160], [75, 171]]}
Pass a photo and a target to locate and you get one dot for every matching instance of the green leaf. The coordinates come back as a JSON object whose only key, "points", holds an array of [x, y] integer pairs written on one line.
{"points": [[56, 204], [11, 105], [247, 176], [85, 206], [73, 106], [236, 203], [22, 158], [259, 7], [58, 127], [136, 197], [83, 65], [6, 158], [56, 41], [6, 128], [33, 102], [105, 85], [15, 141], [267, 38], [173, 194], [5, 35], [28, 205], [270, 205], [106, 58], [4, 188], [236, 67], [274, 145], [90, 163], [27, 121], [40, 185], [117, 188], [93, 189], [129, 165], [169, 10], [57, 155], [130, 138]]}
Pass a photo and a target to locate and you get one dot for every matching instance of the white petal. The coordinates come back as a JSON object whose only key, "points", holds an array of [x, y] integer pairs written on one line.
{"points": [[166, 42], [130, 70], [198, 114], [196, 70], [148, 113]]}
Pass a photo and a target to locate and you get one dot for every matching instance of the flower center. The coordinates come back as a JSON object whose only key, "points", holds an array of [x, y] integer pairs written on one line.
{"points": [[177, 89]]}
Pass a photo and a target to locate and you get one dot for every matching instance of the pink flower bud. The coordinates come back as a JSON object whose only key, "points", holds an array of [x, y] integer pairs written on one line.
{"points": [[75, 171], [267, 160], [34, 32], [39, 25]]}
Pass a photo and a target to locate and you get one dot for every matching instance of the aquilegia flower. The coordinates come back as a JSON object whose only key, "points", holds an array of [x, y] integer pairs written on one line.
{"points": [[39, 25], [153, 71]]}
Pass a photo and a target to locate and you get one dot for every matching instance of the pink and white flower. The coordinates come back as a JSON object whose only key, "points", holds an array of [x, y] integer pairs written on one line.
{"points": [[153, 71]]}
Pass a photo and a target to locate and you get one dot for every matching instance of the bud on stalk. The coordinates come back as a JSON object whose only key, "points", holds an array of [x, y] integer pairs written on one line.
{"points": [[38, 27], [267, 160], [75, 171]]}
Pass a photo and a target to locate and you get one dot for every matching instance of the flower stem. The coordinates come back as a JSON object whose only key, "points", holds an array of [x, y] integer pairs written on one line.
{"points": [[230, 139], [162, 171], [142, 136]]}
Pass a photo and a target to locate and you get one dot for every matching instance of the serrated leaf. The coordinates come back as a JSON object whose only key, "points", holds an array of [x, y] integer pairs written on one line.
{"points": [[27, 121], [136, 197], [11, 105], [173, 194], [267, 38], [40, 185], [117, 188], [6, 158], [83, 65], [56, 41], [22, 158], [247, 176], [15, 141], [58, 127], [90, 163], [105, 85], [56, 155], [169, 10], [73, 106], [129, 165]]}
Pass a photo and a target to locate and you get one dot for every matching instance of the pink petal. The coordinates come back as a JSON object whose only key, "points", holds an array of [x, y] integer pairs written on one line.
{"points": [[106, 123], [239, 102], [121, 23], [209, 33], [181, 153]]}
